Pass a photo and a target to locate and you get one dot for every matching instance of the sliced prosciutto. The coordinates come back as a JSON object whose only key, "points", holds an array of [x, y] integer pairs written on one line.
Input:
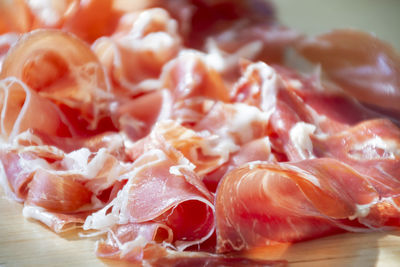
{"points": [[23, 109], [176, 133], [261, 204], [360, 63], [62, 68], [136, 52], [160, 195]]}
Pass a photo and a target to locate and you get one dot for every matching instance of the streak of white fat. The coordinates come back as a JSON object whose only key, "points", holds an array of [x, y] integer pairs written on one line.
{"points": [[317, 118], [300, 137], [45, 10], [123, 194], [145, 17], [295, 84], [253, 164], [5, 184], [368, 148], [39, 214], [147, 85], [305, 175], [28, 95], [221, 147], [27, 136], [140, 241], [190, 78], [270, 82], [99, 220], [5, 91], [32, 165], [183, 163], [363, 209], [241, 122], [222, 61], [166, 106], [176, 170], [390, 200], [156, 41]]}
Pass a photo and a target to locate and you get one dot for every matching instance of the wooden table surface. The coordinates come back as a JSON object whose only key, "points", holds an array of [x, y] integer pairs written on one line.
{"points": [[28, 243]]}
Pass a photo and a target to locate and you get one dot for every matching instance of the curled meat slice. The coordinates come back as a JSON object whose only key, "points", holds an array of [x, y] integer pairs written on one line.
{"points": [[142, 43], [372, 148], [192, 75], [364, 66], [161, 188], [264, 203], [22, 109], [60, 67]]}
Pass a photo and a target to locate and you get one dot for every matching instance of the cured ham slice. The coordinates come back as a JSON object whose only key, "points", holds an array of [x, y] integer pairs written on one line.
{"points": [[137, 116], [60, 67], [178, 191], [364, 66], [56, 193], [142, 43], [175, 130], [22, 109], [206, 151], [372, 148], [291, 202], [190, 75]]}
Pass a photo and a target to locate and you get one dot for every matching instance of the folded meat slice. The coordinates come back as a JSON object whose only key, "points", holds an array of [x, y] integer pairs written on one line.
{"points": [[265, 203], [22, 108], [136, 117], [162, 188], [62, 68], [192, 74], [138, 49], [57, 193], [206, 151], [372, 148], [364, 66]]}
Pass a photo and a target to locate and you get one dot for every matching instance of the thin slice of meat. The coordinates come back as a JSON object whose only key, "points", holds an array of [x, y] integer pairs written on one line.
{"points": [[56, 193], [236, 123], [206, 151], [90, 19], [22, 108], [50, 13], [191, 74], [364, 66], [136, 117], [256, 150], [138, 49], [58, 222], [14, 17], [162, 188], [60, 67], [262, 203], [372, 148]]}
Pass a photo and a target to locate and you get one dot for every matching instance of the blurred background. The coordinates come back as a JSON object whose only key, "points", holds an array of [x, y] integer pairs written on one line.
{"points": [[381, 17]]}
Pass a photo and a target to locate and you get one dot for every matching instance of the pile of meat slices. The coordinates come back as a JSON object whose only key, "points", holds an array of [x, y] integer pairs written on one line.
{"points": [[176, 131]]}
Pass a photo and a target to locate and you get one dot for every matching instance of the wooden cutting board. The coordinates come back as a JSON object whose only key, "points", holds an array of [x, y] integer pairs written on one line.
{"points": [[28, 243]]}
